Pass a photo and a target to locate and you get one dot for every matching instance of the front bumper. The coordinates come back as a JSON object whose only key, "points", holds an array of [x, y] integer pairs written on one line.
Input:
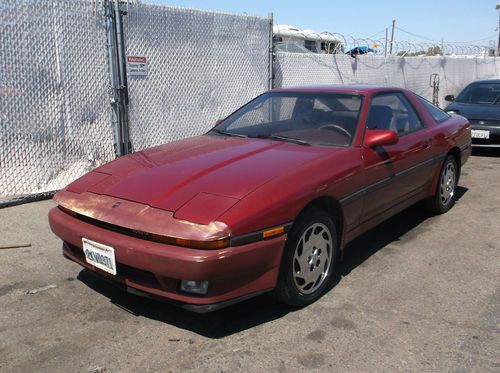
{"points": [[155, 269], [493, 141]]}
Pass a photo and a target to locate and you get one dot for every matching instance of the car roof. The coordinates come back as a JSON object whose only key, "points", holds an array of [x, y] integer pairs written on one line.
{"points": [[486, 81], [339, 88]]}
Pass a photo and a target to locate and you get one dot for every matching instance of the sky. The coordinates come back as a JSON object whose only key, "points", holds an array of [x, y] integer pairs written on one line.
{"points": [[468, 21]]}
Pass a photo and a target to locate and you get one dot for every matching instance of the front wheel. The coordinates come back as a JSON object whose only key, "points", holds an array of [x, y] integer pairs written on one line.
{"points": [[308, 259], [445, 194]]}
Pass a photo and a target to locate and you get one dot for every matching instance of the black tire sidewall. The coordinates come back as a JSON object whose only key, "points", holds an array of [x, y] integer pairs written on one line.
{"points": [[438, 205]]}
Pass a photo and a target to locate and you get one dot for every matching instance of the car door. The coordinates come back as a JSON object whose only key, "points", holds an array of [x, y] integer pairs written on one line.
{"points": [[395, 173]]}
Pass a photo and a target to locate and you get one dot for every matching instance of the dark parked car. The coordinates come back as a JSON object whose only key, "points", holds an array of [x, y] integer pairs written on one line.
{"points": [[266, 200], [479, 102]]}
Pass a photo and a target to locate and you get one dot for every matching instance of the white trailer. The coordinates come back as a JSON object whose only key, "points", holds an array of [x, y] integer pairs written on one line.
{"points": [[315, 42]]}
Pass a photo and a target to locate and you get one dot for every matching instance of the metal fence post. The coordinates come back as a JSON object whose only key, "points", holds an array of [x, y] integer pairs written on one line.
{"points": [[271, 52], [118, 74], [122, 74], [115, 117]]}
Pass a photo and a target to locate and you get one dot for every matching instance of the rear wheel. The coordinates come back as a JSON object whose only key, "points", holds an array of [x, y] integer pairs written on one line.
{"points": [[308, 259], [445, 194]]}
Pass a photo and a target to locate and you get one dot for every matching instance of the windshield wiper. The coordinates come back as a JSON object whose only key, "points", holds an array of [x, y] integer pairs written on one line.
{"points": [[227, 133], [283, 138]]}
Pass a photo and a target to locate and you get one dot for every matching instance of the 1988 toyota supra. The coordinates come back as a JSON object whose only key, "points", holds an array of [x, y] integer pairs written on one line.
{"points": [[266, 200]]}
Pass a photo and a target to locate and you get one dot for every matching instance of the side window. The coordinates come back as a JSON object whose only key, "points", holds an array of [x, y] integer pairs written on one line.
{"points": [[438, 114], [392, 111], [311, 45]]}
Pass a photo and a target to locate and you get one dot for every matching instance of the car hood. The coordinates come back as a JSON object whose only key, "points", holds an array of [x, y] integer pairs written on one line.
{"points": [[476, 111], [200, 168]]}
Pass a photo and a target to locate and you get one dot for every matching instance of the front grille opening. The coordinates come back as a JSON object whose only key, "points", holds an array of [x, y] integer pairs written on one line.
{"points": [[132, 274], [74, 250], [108, 226], [137, 275], [494, 139]]}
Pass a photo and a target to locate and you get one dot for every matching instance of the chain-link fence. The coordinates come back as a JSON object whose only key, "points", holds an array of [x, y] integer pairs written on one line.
{"points": [[294, 69], [54, 104], [201, 67]]}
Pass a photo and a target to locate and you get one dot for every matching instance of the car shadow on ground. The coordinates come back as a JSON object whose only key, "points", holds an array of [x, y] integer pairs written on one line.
{"points": [[390, 231], [261, 309]]}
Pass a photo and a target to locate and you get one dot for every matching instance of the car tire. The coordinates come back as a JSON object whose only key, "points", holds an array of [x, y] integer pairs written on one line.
{"points": [[308, 259], [445, 194]]}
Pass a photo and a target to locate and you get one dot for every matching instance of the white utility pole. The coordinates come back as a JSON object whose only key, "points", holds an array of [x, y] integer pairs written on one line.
{"points": [[498, 43]]}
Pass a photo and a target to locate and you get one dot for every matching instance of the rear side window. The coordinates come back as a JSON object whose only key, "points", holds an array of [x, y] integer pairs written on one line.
{"points": [[392, 111], [438, 114]]}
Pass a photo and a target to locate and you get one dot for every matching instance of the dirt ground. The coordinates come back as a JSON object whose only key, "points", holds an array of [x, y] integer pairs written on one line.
{"points": [[416, 293]]}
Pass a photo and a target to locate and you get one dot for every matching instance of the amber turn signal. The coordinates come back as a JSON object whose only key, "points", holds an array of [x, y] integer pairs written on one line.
{"points": [[217, 244], [273, 232], [205, 245]]}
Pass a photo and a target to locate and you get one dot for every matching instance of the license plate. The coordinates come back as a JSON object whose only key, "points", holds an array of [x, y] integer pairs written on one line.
{"points": [[480, 134], [99, 255]]}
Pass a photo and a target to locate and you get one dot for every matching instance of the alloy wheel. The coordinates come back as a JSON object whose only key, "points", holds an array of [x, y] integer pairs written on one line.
{"points": [[447, 184], [312, 258]]}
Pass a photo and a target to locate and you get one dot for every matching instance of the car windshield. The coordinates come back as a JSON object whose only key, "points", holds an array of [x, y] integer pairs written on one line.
{"points": [[480, 93], [303, 118]]}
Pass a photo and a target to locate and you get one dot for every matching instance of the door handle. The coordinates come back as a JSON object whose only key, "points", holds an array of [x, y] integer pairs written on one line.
{"points": [[426, 145]]}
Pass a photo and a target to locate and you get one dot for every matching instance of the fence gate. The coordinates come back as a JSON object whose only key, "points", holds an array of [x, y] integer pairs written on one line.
{"points": [[186, 68]]}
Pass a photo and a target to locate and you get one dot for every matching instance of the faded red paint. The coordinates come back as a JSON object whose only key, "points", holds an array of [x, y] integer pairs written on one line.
{"points": [[243, 185]]}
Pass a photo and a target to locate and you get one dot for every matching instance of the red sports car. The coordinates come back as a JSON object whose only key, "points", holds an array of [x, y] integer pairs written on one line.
{"points": [[266, 200]]}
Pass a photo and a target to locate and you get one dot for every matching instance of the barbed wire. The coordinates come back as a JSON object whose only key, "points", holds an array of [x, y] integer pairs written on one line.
{"points": [[356, 46], [406, 48], [446, 42]]}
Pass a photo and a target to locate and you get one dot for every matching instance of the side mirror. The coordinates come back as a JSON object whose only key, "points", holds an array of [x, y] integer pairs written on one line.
{"points": [[218, 121], [449, 98], [374, 138]]}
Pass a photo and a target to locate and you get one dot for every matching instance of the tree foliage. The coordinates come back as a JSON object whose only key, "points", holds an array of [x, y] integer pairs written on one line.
{"points": [[431, 51]]}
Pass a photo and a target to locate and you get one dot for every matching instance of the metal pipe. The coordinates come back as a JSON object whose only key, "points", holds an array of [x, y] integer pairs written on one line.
{"points": [[271, 54], [115, 115], [120, 47], [497, 7], [392, 34], [385, 44]]}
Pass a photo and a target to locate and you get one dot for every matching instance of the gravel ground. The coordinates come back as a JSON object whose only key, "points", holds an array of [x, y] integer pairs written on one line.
{"points": [[416, 293]]}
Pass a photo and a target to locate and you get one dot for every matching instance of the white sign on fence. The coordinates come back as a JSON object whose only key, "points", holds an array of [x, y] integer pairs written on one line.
{"points": [[137, 66]]}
